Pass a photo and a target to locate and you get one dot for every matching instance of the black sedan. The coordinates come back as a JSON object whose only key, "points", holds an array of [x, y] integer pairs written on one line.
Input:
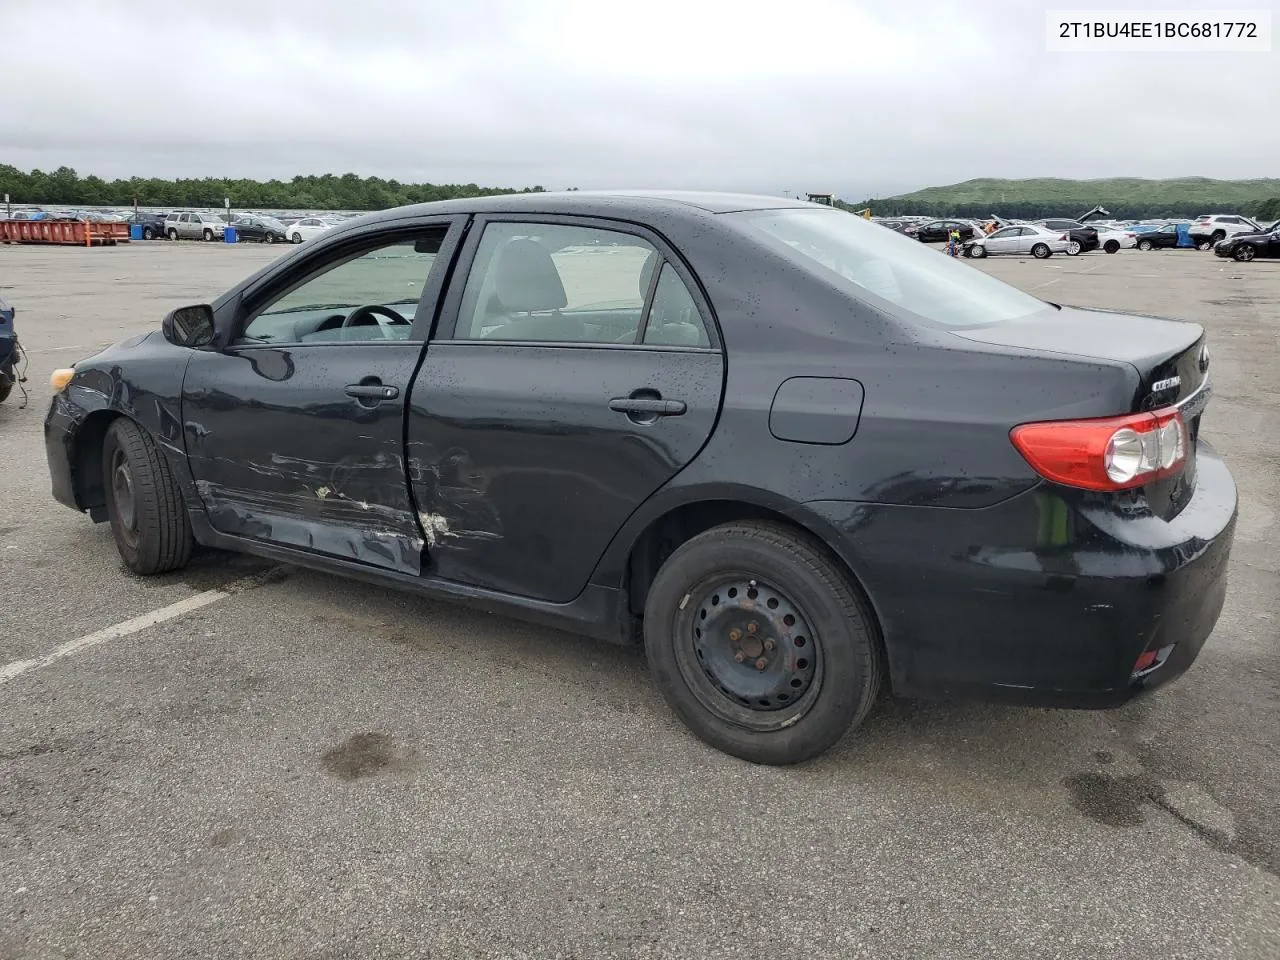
{"points": [[1250, 246], [938, 231], [1159, 238], [260, 229], [152, 224], [803, 458]]}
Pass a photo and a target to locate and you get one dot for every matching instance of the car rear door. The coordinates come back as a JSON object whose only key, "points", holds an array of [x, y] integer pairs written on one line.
{"points": [[295, 431], [575, 371], [1004, 240]]}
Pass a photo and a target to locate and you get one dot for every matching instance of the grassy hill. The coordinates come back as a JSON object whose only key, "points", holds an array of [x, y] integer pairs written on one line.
{"points": [[1123, 196]]}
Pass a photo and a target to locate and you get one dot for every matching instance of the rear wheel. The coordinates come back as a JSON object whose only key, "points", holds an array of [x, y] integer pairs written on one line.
{"points": [[1111, 246], [296, 238], [1073, 248], [761, 643], [1145, 244], [1041, 251], [1205, 245], [1245, 252], [148, 518], [173, 234]]}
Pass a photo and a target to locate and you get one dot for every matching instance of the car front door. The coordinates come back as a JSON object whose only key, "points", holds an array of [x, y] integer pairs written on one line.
{"points": [[1004, 240], [576, 371], [295, 430]]}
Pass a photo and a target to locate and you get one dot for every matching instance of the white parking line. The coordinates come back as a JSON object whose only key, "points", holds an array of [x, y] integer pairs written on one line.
{"points": [[181, 608]]}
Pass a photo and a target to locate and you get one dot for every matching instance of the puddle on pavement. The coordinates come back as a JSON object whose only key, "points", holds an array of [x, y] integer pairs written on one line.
{"points": [[362, 755]]}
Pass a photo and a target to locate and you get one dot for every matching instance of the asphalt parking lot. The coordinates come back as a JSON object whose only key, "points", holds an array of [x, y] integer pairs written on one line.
{"points": [[300, 766]]}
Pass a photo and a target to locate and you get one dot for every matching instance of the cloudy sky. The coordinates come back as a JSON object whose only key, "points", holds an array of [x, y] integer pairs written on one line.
{"points": [[863, 97]]}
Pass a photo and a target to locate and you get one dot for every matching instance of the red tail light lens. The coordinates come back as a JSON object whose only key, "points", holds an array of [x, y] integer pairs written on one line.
{"points": [[1112, 453], [1065, 236]]}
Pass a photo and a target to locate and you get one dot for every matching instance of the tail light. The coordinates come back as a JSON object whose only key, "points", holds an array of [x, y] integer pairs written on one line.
{"points": [[1065, 236], [1112, 453]]}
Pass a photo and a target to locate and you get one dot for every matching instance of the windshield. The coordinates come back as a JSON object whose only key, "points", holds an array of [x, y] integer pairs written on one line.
{"points": [[911, 276]]}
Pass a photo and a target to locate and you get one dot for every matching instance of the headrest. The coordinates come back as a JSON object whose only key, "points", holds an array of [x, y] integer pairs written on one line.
{"points": [[526, 278]]}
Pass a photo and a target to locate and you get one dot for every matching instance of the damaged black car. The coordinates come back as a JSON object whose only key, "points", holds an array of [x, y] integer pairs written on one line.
{"points": [[800, 458]]}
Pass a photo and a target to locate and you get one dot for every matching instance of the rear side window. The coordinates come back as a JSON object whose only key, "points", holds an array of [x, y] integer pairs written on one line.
{"points": [[853, 254], [673, 315]]}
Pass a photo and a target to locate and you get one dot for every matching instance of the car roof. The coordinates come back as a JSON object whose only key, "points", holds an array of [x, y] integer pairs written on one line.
{"points": [[639, 203]]}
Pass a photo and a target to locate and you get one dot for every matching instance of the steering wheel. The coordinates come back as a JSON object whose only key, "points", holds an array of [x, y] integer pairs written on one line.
{"points": [[364, 316]]}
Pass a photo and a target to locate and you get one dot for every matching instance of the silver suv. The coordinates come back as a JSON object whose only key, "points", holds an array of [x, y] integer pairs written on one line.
{"points": [[1212, 227], [194, 226]]}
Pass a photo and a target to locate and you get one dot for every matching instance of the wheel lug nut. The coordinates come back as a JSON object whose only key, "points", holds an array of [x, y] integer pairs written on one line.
{"points": [[768, 644], [751, 627], [739, 656], [735, 635], [761, 663]]}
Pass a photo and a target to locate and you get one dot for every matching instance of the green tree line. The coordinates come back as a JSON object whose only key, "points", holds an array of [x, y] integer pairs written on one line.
{"points": [[65, 188]]}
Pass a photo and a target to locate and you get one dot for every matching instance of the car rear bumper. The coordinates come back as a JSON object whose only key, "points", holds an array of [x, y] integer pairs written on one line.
{"points": [[1049, 597]]}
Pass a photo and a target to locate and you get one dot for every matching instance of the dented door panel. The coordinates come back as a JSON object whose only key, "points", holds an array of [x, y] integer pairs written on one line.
{"points": [[280, 453]]}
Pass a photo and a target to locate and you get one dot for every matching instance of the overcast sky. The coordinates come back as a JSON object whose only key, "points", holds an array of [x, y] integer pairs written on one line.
{"points": [[863, 97]]}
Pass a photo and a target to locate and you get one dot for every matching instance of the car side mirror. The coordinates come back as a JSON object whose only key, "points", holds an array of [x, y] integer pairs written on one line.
{"points": [[189, 326]]}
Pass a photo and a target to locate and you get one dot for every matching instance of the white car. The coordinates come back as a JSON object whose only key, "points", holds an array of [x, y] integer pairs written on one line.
{"points": [[1112, 238], [1018, 239], [1207, 230], [308, 228]]}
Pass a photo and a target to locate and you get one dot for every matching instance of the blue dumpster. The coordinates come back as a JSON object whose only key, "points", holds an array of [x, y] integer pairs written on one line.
{"points": [[135, 231], [230, 235]]}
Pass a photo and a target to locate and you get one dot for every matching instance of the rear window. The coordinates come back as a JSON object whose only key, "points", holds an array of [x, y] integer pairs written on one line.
{"points": [[914, 278]]}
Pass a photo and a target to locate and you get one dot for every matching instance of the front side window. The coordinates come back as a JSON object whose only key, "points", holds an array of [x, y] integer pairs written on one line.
{"points": [[372, 296], [847, 250]]}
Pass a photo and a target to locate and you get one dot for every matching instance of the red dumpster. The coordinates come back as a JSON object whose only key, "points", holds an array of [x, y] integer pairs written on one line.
{"points": [[67, 232]]}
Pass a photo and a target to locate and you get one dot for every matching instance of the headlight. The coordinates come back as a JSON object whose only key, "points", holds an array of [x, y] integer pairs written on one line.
{"points": [[59, 379]]}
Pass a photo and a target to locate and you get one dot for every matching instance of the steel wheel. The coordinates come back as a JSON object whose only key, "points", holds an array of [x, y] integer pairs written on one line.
{"points": [[751, 657]]}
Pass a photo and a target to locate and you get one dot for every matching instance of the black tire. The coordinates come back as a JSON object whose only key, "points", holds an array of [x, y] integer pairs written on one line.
{"points": [[270, 237], [1041, 251], [208, 234], [173, 234], [1111, 246], [144, 504], [978, 251], [6, 388], [148, 233], [1074, 248], [1205, 244], [1244, 252], [296, 238], [841, 654], [1216, 236], [1145, 245]]}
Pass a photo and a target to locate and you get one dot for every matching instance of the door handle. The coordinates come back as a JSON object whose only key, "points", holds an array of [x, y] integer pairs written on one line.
{"points": [[647, 406], [372, 391]]}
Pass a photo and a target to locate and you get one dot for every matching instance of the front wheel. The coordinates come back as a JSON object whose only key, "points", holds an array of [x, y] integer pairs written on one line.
{"points": [[1145, 245], [208, 235], [1244, 252], [296, 238], [978, 251], [271, 237], [1041, 251], [173, 234], [1111, 246], [144, 503], [761, 643], [148, 233]]}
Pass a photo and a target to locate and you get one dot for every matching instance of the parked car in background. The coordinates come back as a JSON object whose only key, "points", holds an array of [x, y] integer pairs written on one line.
{"points": [[928, 480], [153, 224], [1081, 238], [1250, 246], [1207, 230], [1018, 239], [938, 231], [261, 229], [1114, 239], [1159, 238], [308, 228], [194, 226]]}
